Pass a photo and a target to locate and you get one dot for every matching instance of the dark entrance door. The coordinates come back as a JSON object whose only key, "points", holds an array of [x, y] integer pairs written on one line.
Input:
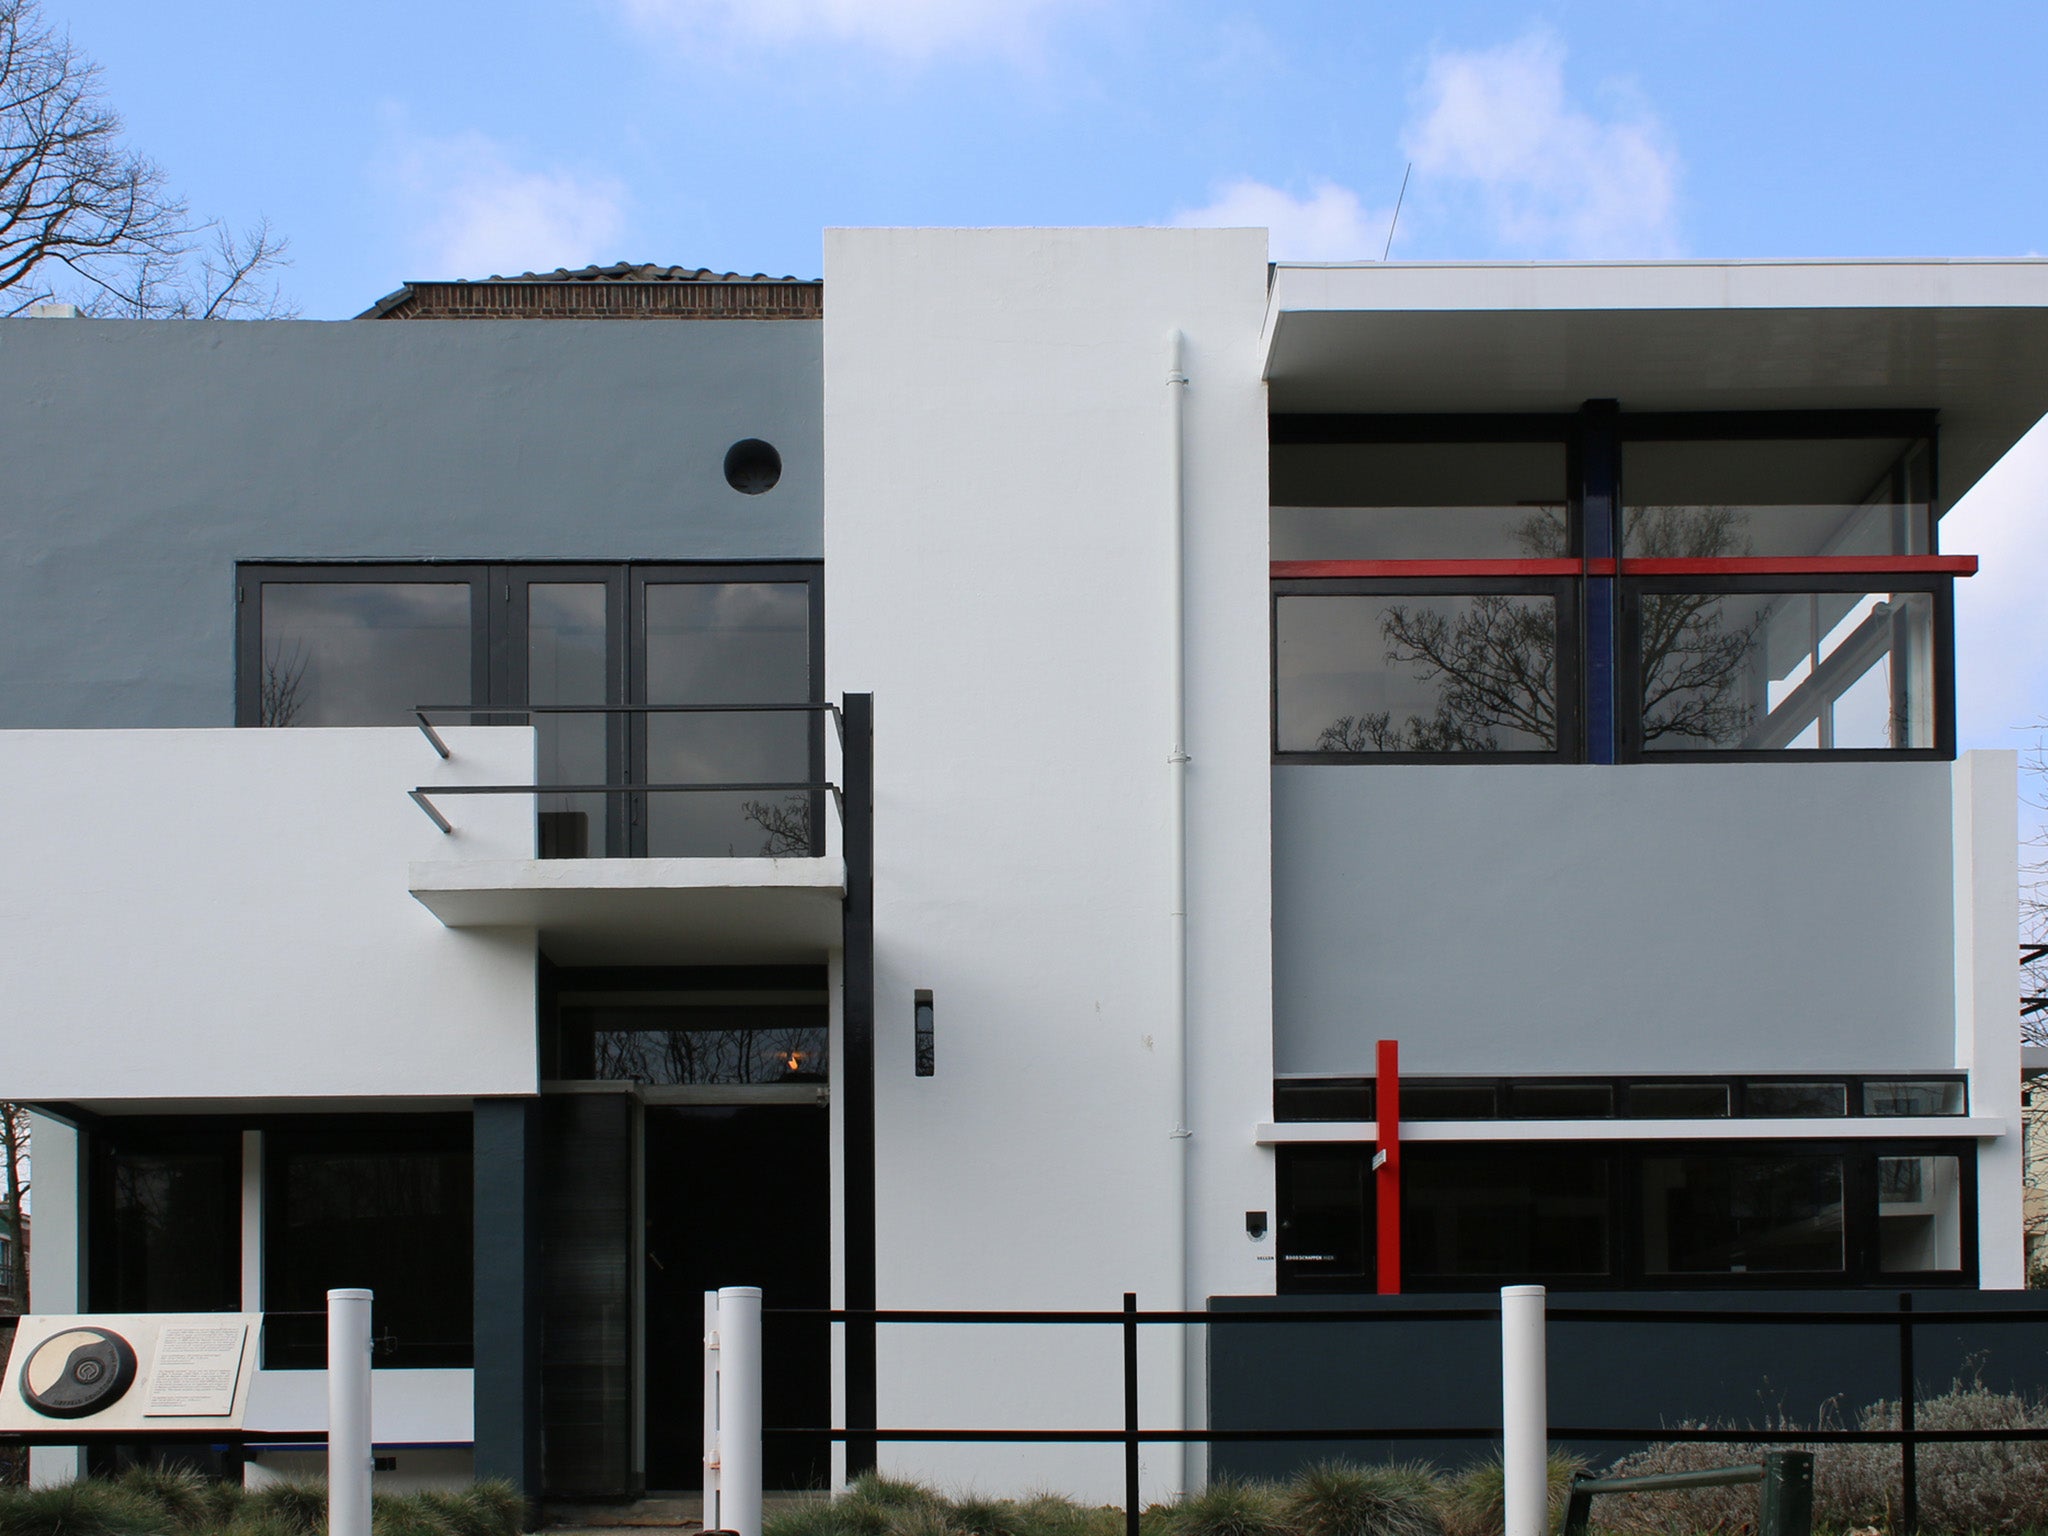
{"points": [[737, 1195]]}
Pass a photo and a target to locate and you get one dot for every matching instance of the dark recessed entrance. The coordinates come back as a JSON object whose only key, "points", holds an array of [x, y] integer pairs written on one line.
{"points": [[737, 1194]]}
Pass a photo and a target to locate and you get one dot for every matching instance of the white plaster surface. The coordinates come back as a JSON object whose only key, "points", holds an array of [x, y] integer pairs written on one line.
{"points": [[406, 1407], [212, 914], [996, 417], [1987, 1041]]}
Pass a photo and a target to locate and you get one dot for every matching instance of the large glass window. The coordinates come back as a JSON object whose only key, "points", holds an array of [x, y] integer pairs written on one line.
{"points": [[386, 1206], [1734, 1214], [166, 1227], [1777, 497], [728, 642], [1767, 671], [676, 1042], [1470, 1213], [1367, 672], [1419, 501], [1919, 1214], [630, 676], [361, 652]]}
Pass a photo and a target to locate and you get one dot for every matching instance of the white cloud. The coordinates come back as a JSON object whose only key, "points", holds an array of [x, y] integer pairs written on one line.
{"points": [[1329, 224], [908, 29], [476, 212], [1553, 179]]}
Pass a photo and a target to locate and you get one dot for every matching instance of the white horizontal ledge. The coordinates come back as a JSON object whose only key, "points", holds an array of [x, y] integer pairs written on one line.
{"points": [[1841, 1128]]}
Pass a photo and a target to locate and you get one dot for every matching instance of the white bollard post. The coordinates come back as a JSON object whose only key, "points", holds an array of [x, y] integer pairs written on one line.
{"points": [[739, 1408], [349, 1462], [1525, 1411], [712, 1518]]}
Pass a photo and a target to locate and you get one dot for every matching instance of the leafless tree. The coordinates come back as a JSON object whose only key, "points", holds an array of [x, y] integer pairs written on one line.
{"points": [[279, 698], [786, 827], [86, 218], [14, 1188], [1494, 661]]}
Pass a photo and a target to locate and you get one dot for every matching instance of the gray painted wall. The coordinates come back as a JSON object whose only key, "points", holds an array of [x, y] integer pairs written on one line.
{"points": [[140, 460], [1663, 917]]}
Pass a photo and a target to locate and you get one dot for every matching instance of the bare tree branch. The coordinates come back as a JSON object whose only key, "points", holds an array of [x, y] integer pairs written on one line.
{"points": [[84, 216]]}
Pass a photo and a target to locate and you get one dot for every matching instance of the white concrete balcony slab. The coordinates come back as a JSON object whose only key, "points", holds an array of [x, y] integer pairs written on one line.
{"points": [[723, 911]]}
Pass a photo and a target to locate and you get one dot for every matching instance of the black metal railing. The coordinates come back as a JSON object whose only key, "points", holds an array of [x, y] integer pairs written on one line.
{"points": [[797, 837], [862, 1440]]}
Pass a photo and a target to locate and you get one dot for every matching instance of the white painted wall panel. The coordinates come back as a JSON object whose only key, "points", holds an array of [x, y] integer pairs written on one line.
{"points": [[997, 543], [214, 914]]}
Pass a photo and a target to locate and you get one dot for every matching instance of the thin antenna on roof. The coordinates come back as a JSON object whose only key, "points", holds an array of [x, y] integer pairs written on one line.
{"points": [[1396, 219]]}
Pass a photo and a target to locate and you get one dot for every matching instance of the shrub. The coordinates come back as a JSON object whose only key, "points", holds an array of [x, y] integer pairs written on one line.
{"points": [[180, 1494], [1474, 1501], [407, 1514], [298, 1508], [1229, 1507], [1339, 1498], [83, 1508]]}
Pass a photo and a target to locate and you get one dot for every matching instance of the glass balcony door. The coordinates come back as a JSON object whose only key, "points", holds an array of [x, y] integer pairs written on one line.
{"points": [[561, 655]]}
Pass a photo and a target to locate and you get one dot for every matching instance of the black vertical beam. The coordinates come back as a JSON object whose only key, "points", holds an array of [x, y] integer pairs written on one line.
{"points": [[1599, 496], [1131, 1508], [1909, 1459], [507, 1292], [857, 1092]]}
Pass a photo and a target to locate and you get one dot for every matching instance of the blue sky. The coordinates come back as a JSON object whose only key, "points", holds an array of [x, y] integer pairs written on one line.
{"points": [[395, 141]]}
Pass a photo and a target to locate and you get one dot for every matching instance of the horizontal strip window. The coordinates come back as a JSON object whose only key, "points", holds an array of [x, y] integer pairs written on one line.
{"points": [[1350, 1099], [1425, 670], [1636, 1216], [1763, 666], [1421, 501]]}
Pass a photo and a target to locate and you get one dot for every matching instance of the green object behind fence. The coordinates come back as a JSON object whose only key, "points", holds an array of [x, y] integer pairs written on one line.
{"points": [[1786, 1499]]}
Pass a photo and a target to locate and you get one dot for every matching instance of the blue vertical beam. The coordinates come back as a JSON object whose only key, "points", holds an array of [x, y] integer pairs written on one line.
{"points": [[1599, 496], [507, 1294]]}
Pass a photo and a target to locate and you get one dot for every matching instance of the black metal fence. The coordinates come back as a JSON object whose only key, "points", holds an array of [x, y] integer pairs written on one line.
{"points": [[1903, 1320]]}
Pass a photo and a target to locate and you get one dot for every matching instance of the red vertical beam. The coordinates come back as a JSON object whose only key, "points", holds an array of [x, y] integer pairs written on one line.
{"points": [[1387, 1163]]}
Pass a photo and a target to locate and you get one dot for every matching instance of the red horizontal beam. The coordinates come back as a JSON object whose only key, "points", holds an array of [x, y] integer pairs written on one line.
{"points": [[1311, 569], [1810, 565], [1745, 565]]}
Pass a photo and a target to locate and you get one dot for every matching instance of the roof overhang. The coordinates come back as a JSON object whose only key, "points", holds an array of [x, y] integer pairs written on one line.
{"points": [[1968, 339]]}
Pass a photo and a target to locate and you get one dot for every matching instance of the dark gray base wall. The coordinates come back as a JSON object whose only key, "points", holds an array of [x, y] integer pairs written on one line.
{"points": [[1393, 1371], [507, 1405]]}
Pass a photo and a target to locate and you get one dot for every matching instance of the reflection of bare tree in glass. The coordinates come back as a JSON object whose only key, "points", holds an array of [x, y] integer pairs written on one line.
{"points": [[779, 1054], [278, 700], [1495, 661], [787, 827]]}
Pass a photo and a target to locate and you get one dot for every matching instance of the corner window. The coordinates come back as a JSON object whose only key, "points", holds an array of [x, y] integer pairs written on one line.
{"points": [[1733, 498], [1419, 501]]}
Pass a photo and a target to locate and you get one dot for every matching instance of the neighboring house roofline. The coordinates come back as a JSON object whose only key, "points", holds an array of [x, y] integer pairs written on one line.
{"points": [[622, 291]]}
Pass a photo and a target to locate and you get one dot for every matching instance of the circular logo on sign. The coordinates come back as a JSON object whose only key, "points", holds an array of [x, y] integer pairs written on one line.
{"points": [[77, 1372]]}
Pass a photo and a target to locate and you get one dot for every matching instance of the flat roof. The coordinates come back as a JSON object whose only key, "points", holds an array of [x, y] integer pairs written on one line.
{"points": [[1966, 338]]}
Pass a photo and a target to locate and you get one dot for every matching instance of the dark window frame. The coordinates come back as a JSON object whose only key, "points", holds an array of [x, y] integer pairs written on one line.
{"points": [[1859, 1158], [1596, 654], [1559, 589], [498, 656], [1629, 682], [1736, 1084]]}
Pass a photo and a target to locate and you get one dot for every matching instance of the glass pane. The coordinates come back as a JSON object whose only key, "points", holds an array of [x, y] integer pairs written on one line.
{"points": [[1787, 1101], [361, 653], [1678, 1101], [1334, 1100], [1851, 496], [1419, 501], [1717, 1215], [1561, 1101], [1928, 1096], [173, 1242], [695, 1044], [1418, 674], [565, 664], [1504, 1215], [1767, 671], [387, 1210], [728, 643], [1447, 1101], [1919, 1214], [1324, 1213]]}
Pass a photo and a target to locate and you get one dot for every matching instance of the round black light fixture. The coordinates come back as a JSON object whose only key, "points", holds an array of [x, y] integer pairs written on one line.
{"points": [[77, 1372], [752, 466]]}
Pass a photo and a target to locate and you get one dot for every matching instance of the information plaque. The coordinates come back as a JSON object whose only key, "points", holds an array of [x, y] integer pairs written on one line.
{"points": [[153, 1372]]}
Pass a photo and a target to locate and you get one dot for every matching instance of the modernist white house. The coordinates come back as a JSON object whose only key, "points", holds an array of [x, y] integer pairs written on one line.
{"points": [[932, 799]]}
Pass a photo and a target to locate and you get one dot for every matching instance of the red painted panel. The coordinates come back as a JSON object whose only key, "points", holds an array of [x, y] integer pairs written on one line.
{"points": [[1387, 1179]]}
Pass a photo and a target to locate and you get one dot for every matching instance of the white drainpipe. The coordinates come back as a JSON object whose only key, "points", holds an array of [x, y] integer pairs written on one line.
{"points": [[1177, 764]]}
